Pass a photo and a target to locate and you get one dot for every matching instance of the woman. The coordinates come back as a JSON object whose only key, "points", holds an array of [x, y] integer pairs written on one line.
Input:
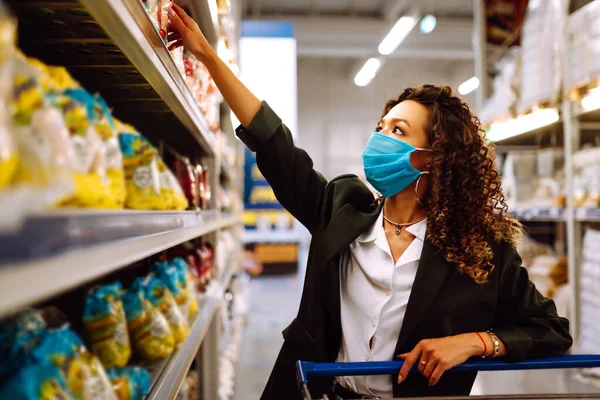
{"points": [[428, 272]]}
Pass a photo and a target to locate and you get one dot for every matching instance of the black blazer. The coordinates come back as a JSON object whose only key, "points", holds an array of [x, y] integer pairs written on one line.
{"points": [[442, 302]]}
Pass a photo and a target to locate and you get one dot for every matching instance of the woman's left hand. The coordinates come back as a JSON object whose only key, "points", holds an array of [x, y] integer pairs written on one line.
{"points": [[436, 356]]}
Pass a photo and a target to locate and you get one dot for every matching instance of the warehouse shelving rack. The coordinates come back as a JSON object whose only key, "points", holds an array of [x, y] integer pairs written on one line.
{"points": [[574, 120], [112, 47]]}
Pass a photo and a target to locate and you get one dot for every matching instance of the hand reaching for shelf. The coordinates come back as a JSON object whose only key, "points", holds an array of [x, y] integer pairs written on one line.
{"points": [[186, 32], [240, 99]]}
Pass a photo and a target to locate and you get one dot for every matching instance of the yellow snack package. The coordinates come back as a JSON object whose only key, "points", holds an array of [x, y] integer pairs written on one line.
{"points": [[160, 296], [9, 158], [84, 374], [8, 153], [106, 325], [88, 117], [37, 382], [171, 190], [28, 92], [142, 175], [149, 330]]}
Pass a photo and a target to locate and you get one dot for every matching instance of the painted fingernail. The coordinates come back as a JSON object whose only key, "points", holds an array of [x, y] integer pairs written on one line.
{"points": [[171, 12], [400, 379]]}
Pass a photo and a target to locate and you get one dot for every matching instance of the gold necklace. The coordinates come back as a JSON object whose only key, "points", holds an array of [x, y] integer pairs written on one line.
{"points": [[399, 226]]}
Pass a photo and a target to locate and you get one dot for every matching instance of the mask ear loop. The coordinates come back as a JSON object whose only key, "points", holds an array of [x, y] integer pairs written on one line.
{"points": [[417, 187], [419, 179]]}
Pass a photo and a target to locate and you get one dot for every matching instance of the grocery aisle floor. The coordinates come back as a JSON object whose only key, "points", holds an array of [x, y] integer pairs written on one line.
{"points": [[273, 304]]}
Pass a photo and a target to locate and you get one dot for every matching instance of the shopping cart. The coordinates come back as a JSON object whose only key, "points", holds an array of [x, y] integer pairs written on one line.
{"points": [[305, 370]]}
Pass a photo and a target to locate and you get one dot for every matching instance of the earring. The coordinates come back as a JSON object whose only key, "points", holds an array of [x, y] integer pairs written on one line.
{"points": [[417, 188]]}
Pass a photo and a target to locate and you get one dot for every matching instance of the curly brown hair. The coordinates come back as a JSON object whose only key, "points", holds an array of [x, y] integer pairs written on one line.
{"points": [[466, 206]]}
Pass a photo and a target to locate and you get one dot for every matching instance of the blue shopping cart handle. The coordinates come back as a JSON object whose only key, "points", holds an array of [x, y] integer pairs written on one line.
{"points": [[306, 369]]}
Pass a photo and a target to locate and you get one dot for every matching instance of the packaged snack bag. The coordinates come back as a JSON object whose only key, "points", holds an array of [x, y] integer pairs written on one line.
{"points": [[62, 79], [186, 273], [18, 335], [160, 297], [177, 56], [164, 6], [186, 176], [106, 326], [9, 154], [170, 189], [84, 374], [9, 157], [149, 330], [173, 278], [130, 383], [158, 10], [89, 119], [142, 176], [37, 382]]}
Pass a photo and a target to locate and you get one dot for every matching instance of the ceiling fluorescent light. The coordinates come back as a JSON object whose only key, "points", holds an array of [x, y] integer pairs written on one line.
{"points": [[367, 72], [428, 24], [468, 86], [522, 124], [591, 101], [398, 33]]}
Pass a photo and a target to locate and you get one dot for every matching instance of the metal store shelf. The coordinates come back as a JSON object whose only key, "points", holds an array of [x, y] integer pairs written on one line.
{"points": [[168, 375], [55, 252], [539, 214], [111, 46], [587, 214]]}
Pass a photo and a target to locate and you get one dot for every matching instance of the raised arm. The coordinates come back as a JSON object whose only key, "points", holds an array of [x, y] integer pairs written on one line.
{"points": [[241, 100], [288, 169]]}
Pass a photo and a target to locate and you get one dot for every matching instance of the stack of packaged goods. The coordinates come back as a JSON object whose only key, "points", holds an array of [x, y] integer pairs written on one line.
{"points": [[587, 178], [146, 322], [53, 363], [584, 55], [534, 179], [63, 148], [199, 81], [195, 181], [201, 259], [543, 54]]}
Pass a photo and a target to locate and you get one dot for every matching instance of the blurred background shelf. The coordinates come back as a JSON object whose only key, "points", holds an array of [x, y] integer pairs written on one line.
{"points": [[539, 214]]}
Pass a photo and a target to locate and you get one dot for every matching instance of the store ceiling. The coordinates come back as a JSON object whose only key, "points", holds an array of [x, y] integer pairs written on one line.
{"points": [[361, 8], [354, 28]]}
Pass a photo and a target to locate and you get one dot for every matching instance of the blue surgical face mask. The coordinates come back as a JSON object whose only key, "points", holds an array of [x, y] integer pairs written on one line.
{"points": [[387, 164]]}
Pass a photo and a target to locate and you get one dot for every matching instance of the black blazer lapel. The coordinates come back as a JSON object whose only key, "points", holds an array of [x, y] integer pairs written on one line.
{"points": [[345, 226], [431, 274]]}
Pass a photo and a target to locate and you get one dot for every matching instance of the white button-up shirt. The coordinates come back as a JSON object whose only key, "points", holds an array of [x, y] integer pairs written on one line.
{"points": [[374, 297]]}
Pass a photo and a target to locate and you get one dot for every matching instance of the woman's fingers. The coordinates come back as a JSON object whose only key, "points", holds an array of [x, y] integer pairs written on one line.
{"points": [[177, 23], [437, 374], [182, 15], [429, 368], [409, 361], [422, 364]]}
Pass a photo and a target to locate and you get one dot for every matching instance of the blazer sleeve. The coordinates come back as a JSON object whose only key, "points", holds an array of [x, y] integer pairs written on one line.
{"points": [[288, 169], [527, 322]]}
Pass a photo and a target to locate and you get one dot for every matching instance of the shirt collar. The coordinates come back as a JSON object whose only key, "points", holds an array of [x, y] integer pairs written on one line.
{"points": [[418, 230]]}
